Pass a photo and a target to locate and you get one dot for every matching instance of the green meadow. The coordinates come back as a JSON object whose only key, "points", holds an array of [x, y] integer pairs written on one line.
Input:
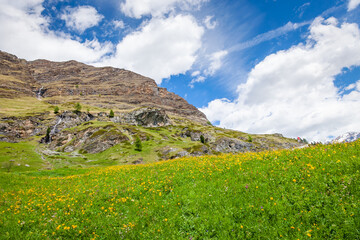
{"points": [[310, 193]]}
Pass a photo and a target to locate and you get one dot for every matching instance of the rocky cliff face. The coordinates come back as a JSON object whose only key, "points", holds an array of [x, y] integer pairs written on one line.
{"points": [[16, 78], [105, 87]]}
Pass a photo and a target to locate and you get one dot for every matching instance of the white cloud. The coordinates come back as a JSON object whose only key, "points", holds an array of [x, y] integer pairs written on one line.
{"points": [[353, 4], [160, 48], [215, 62], [24, 32], [196, 73], [198, 79], [118, 24], [293, 92], [157, 8], [350, 87], [81, 18], [269, 35], [302, 8], [208, 23]]}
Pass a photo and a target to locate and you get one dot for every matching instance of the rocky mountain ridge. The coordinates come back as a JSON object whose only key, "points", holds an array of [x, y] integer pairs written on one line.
{"points": [[104, 87], [347, 137]]}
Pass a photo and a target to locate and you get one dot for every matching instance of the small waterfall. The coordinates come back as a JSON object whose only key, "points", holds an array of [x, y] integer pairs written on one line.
{"points": [[39, 92], [54, 129]]}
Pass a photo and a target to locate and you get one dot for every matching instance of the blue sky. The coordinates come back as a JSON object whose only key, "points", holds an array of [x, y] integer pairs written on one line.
{"points": [[260, 66]]}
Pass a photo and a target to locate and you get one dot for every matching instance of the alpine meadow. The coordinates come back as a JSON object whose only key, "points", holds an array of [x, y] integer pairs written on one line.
{"points": [[290, 194], [180, 120]]}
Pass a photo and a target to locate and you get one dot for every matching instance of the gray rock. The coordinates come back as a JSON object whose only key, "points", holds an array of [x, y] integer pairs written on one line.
{"points": [[182, 154], [202, 151], [195, 135], [227, 145], [89, 140], [147, 117]]}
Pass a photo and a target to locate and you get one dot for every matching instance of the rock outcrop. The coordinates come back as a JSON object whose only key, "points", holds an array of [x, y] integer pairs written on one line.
{"points": [[14, 129], [147, 117], [233, 145], [89, 140], [195, 135]]}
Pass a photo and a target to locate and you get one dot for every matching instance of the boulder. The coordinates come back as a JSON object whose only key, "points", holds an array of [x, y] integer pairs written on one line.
{"points": [[195, 135], [89, 140], [147, 117], [227, 145]]}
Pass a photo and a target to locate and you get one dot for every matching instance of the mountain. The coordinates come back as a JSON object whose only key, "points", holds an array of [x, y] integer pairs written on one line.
{"points": [[61, 114], [106, 87], [347, 137]]}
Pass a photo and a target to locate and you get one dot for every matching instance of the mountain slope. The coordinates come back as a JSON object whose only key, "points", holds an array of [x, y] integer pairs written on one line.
{"points": [[37, 109], [71, 81]]}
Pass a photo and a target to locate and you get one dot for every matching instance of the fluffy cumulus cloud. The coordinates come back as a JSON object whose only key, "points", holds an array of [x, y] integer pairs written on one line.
{"points": [[25, 32], [81, 18], [160, 48], [293, 91], [139, 8], [353, 4]]}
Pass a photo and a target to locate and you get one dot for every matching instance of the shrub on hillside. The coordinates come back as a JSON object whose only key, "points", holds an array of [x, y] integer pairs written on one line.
{"points": [[138, 144], [56, 110], [202, 139], [77, 108], [111, 115]]}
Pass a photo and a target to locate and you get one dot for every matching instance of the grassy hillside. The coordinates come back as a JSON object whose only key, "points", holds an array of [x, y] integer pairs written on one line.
{"points": [[158, 144], [295, 194]]}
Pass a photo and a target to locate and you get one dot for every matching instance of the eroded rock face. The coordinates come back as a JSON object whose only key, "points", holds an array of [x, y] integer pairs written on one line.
{"points": [[69, 119], [88, 140], [13, 129], [227, 145], [196, 135], [147, 117], [16, 78]]}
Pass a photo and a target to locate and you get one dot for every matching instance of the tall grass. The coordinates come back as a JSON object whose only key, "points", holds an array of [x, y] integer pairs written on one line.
{"points": [[298, 194]]}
